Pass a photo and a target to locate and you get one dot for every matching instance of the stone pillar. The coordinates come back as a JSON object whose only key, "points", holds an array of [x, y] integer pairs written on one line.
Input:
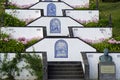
{"points": [[106, 71]]}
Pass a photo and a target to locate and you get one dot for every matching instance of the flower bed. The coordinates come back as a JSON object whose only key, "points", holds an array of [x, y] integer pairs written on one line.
{"points": [[14, 5], [15, 45], [101, 46], [10, 45]]}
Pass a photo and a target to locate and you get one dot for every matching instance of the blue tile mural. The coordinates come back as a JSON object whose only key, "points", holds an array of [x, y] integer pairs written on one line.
{"points": [[61, 49], [55, 26], [51, 9]]}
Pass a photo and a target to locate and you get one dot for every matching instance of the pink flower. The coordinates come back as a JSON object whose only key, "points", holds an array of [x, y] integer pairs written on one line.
{"points": [[20, 6], [101, 39], [118, 42], [6, 39], [112, 41], [21, 39], [28, 20], [24, 42]]}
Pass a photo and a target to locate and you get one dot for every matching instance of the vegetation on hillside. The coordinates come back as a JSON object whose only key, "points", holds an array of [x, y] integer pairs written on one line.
{"points": [[107, 8]]}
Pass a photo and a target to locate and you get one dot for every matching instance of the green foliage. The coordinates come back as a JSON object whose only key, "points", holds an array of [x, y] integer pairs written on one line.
{"points": [[35, 64], [12, 7], [30, 43], [112, 47], [81, 8], [110, 0], [117, 38], [3, 35], [12, 21], [11, 46], [8, 68], [114, 10], [92, 4], [2, 10], [1, 1], [101, 23]]}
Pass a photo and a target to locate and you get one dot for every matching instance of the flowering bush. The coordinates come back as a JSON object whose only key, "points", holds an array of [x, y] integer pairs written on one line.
{"points": [[81, 6], [19, 6], [87, 6], [28, 42], [113, 41], [15, 45], [94, 41], [11, 45], [110, 41], [28, 20], [101, 46], [23, 40], [93, 20]]}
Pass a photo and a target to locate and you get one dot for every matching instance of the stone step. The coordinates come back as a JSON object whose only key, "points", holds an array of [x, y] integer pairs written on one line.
{"points": [[66, 63], [65, 69], [65, 72], [65, 76]]}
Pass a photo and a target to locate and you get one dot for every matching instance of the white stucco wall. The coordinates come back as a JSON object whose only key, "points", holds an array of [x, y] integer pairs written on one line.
{"points": [[59, 7], [26, 32], [75, 46], [77, 3], [24, 74], [83, 16], [23, 2], [24, 14], [65, 23], [49, 0], [94, 34], [93, 59]]}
